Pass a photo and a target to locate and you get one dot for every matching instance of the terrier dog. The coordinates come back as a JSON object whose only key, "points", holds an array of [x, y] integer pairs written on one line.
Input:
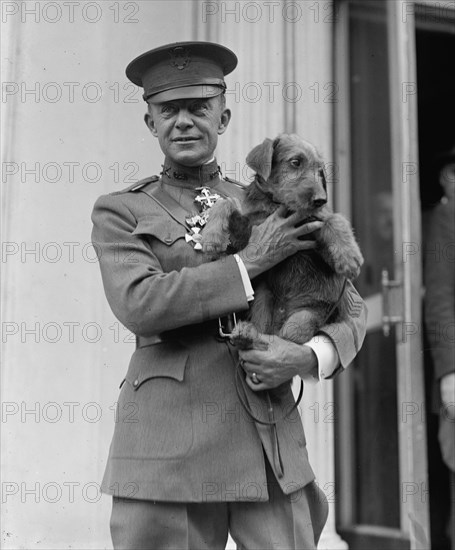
{"points": [[297, 296]]}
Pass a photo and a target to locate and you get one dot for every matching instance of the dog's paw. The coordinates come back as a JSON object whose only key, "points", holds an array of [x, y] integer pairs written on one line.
{"points": [[214, 243], [246, 336], [243, 335], [349, 264]]}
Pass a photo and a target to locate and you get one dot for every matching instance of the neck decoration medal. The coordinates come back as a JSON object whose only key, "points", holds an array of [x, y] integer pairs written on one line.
{"points": [[206, 199]]}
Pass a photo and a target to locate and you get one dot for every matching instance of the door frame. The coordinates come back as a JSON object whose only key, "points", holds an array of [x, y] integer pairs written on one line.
{"points": [[414, 529]]}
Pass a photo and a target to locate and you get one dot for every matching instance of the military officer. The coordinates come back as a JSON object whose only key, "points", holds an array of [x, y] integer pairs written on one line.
{"points": [[195, 454]]}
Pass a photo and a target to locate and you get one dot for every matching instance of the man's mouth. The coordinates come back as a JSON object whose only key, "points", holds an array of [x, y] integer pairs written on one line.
{"points": [[185, 139]]}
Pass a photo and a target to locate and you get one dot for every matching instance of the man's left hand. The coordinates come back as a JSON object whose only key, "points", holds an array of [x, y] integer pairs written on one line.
{"points": [[280, 361]]}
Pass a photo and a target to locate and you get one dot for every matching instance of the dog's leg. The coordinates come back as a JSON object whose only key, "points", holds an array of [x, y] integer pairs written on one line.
{"points": [[338, 246], [301, 326], [261, 308], [215, 235], [245, 334]]}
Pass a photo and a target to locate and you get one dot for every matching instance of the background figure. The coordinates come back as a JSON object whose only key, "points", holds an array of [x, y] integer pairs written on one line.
{"points": [[439, 271]]}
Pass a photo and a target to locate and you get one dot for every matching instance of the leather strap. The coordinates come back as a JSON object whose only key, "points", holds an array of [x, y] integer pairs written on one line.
{"points": [[211, 327], [171, 206]]}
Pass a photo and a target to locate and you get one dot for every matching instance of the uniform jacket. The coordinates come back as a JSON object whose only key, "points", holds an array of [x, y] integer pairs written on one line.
{"points": [[182, 433], [439, 269]]}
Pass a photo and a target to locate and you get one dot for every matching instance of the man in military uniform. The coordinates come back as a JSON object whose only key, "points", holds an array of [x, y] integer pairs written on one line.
{"points": [[187, 463]]}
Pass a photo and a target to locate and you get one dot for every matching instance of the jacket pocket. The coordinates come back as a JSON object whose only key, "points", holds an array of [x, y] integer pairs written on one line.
{"points": [[154, 411], [162, 360], [164, 229]]}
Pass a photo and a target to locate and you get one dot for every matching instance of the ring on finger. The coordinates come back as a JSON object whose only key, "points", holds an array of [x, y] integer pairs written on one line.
{"points": [[255, 379]]}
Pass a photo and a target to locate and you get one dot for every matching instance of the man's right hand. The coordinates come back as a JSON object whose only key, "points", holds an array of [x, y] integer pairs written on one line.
{"points": [[448, 394], [276, 238]]}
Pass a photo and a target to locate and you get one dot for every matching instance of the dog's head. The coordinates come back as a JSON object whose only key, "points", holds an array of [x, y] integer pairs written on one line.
{"points": [[291, 170]]}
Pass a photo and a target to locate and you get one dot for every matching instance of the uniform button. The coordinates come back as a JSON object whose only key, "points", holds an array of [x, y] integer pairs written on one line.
{"points": [[136, 382], [168, 240]]}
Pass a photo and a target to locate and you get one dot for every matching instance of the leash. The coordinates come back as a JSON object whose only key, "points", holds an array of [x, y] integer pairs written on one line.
{"points": [[239, 381], [238, 377]]}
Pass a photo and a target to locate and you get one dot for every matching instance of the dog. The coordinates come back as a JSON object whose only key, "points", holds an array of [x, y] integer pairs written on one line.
{"points": [[306, 290]]}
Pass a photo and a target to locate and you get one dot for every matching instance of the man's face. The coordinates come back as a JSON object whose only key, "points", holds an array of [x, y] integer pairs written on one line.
{"points": [[188, 129]]}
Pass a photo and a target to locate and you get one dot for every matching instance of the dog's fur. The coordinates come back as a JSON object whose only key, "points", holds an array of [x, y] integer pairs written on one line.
{"points": [[294, 298]]}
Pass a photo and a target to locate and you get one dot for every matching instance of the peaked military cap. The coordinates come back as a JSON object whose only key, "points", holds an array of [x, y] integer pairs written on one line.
{"points": [[182, 70]]}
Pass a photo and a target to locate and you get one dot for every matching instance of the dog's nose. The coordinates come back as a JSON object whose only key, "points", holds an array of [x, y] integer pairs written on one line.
{"points": [[317, 203]]}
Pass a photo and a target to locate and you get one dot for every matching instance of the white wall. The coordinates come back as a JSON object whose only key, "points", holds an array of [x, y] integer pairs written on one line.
{"points": [[37, 452], [73, 378]]}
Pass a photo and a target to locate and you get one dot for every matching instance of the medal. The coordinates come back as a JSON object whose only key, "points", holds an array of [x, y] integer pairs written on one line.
{"points": [[206, 199]]}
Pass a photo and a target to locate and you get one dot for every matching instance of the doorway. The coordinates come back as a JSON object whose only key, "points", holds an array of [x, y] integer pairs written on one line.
{"points": [[435, 46], [381, 449]]}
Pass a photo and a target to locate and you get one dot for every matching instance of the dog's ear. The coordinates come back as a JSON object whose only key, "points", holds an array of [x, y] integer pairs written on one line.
{"points": [[259, 159]]}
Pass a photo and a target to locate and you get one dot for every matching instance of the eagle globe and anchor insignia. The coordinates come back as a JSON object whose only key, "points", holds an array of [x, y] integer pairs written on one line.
{"points": [[180, 57]]}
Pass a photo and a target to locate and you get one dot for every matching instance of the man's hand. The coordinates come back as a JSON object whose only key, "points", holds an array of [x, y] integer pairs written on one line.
{"points": [[278, 362], [276, 238], [448, 394]]}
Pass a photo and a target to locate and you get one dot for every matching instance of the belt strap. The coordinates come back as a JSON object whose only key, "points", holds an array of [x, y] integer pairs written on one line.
{"points": [[214, 328]]}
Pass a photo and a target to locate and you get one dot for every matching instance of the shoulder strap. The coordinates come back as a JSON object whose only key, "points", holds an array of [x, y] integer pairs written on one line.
{"points": [[235, 182], [230, 188], [138, 185]]}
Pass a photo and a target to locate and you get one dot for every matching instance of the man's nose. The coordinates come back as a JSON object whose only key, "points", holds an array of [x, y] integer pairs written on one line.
{"points": [[184, 120]]}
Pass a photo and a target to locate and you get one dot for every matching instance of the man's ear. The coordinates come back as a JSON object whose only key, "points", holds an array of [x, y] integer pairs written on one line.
{"points": [[150, 123], [224, 121], [259, 159]]}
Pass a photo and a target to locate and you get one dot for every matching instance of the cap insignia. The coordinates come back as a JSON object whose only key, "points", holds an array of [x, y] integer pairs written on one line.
{"points": [[180, 57]]}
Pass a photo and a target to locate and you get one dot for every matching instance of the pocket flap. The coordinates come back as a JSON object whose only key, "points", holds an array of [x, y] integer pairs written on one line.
{"points": [[163, 360], [164, 229]]}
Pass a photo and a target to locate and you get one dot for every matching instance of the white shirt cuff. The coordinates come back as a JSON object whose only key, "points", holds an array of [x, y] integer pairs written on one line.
{"points": [[249, 292], [328, 359]]}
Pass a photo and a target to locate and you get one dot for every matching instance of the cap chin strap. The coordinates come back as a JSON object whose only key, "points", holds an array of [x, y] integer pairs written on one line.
{"points": [[205, 90]]}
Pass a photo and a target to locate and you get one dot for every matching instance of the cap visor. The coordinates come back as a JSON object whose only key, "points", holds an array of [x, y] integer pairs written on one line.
{"points": [[203, 91]]}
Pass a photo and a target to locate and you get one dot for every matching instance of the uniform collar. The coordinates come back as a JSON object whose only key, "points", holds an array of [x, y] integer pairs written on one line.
{"points": [[207, 175]]}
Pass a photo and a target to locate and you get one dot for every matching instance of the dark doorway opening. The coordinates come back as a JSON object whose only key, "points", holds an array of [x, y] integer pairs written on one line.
{"points": [[436, 123], [436, 104]]}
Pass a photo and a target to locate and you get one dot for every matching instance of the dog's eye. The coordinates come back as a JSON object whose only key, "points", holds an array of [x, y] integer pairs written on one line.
{"points": [[296, 163]]}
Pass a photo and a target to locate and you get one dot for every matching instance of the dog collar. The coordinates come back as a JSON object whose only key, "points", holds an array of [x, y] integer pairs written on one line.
{"points": [[259, 182]]}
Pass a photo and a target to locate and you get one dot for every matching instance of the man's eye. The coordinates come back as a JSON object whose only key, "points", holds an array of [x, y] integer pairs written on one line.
{"points": [[167, 109], [296, 163], [198, 107]]}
